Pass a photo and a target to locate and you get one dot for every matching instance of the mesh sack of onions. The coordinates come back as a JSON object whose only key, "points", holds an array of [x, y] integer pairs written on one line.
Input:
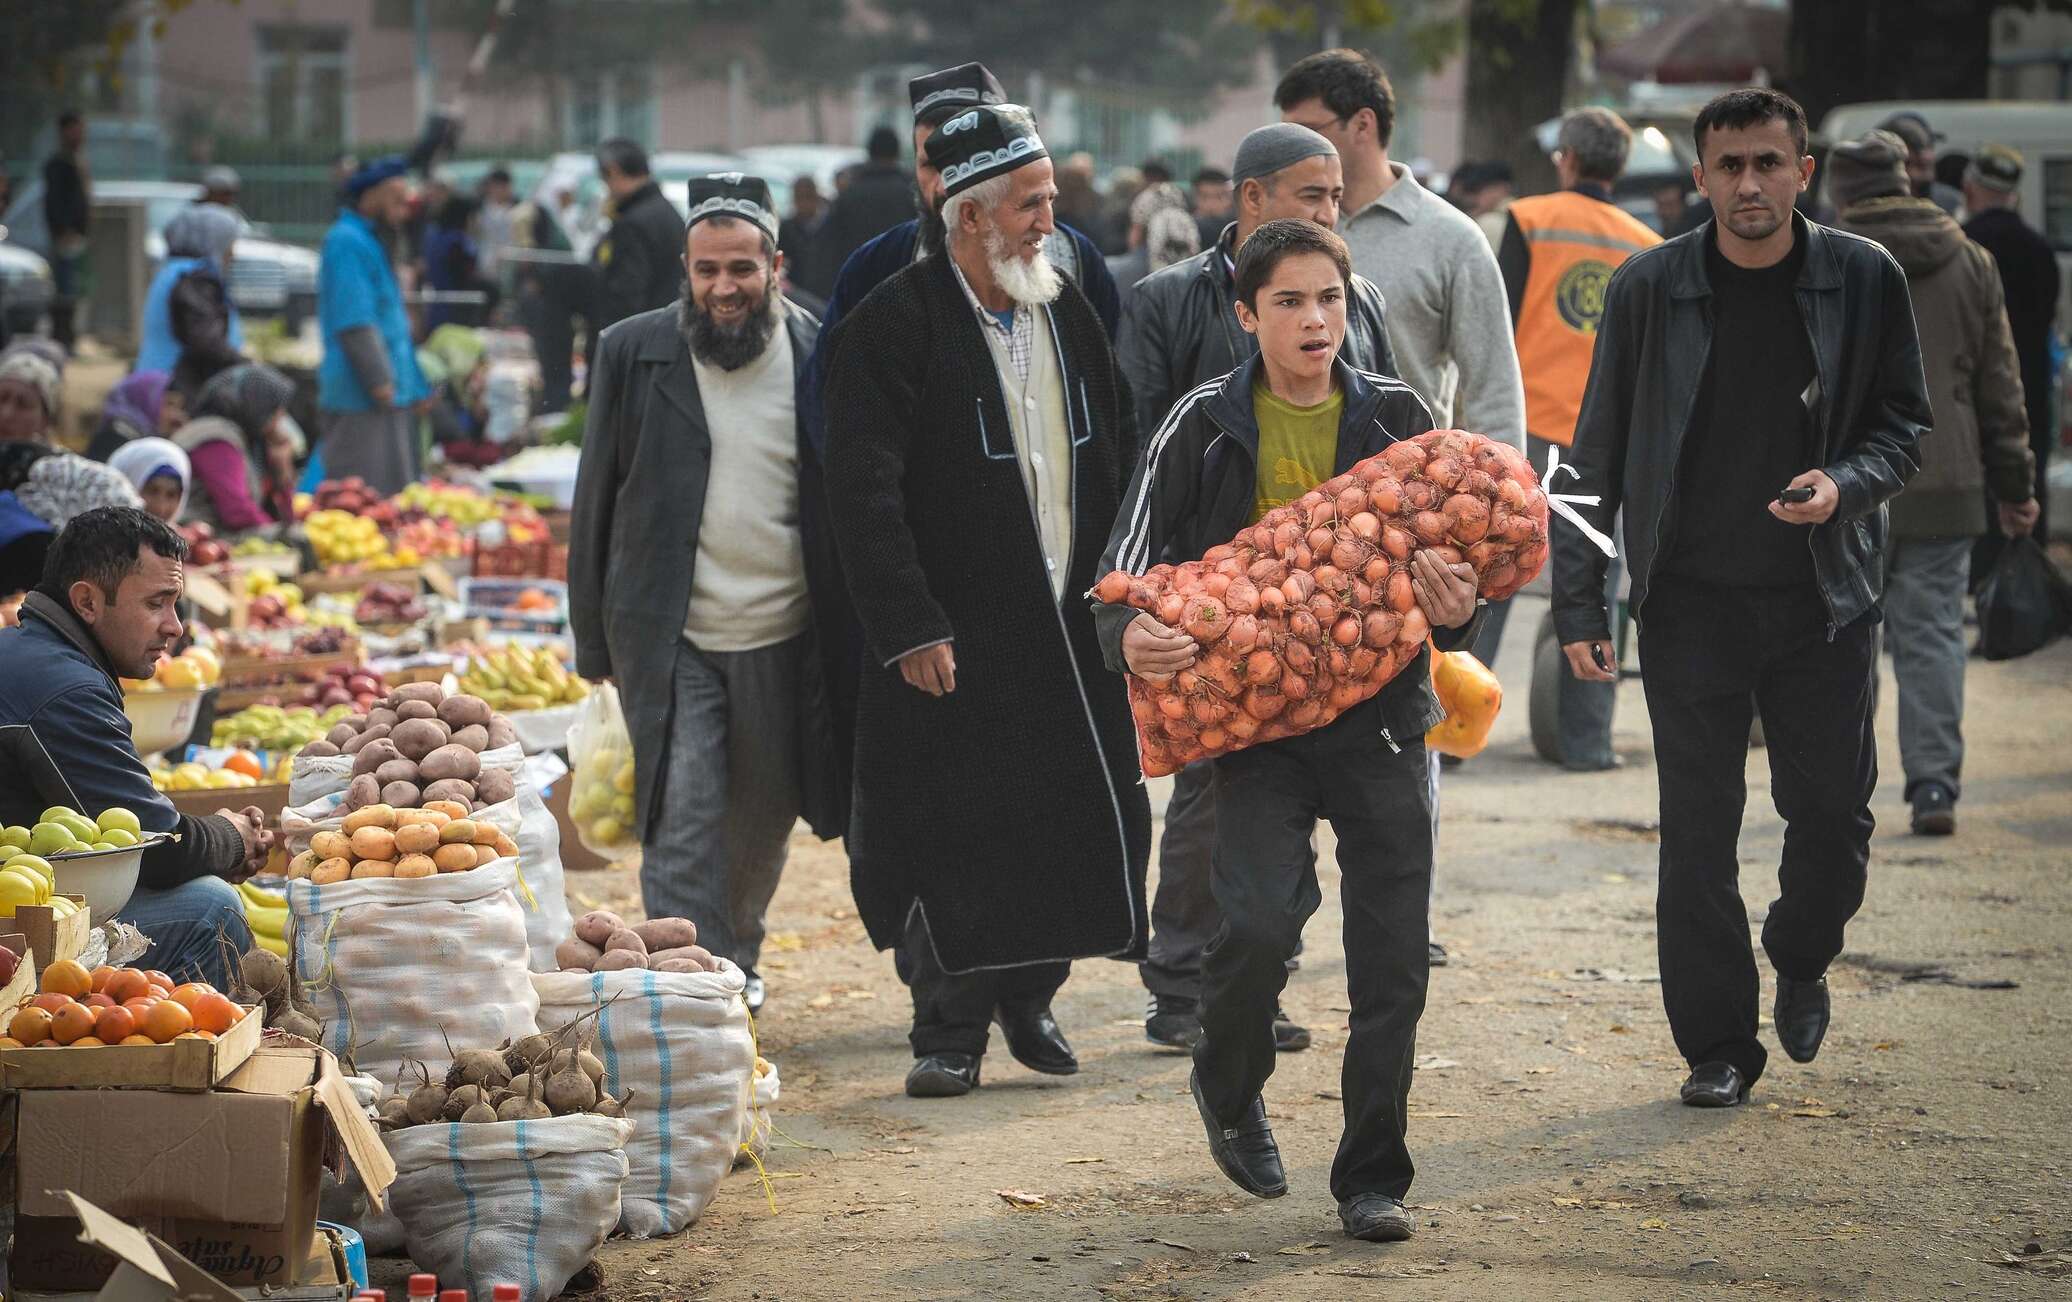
{"points": [[1309, 612]]}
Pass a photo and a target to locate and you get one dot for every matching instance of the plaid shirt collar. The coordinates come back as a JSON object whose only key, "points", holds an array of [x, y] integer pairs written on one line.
{"points": [[1020, 338]]}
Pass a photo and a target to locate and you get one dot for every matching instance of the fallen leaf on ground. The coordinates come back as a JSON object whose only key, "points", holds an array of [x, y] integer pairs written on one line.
{"points": [[1539, 1071], [1433, 1062], [1568, 1202], [1021, 1200], [821, 1001], [1654, 1223], [1302, 1250], [1814, 1112], [859, 994], [1620, 1028], [1616, 878]]}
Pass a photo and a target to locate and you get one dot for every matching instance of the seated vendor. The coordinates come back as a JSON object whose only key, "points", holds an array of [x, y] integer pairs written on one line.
{"points": [[105, 611]]}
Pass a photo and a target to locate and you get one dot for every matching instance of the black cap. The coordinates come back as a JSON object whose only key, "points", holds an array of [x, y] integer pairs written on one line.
{"points": [[732, 194], [981, 143], [1912, 128], [945, 92]]}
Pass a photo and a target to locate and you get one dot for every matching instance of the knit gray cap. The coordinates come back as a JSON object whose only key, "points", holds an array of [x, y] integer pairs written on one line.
{"points": [[1872, 166], [1271, 148]]}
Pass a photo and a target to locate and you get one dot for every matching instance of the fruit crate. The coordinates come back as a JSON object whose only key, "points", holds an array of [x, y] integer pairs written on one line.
{"points": [[321, 581], [253, 680], [497, 600], [37, 929], [183, 1066]]}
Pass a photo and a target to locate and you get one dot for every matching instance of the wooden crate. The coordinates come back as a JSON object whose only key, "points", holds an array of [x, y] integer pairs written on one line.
{"points": [[185, 1066]]}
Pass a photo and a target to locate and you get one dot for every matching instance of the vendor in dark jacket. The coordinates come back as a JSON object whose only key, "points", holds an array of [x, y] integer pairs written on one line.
{"points": [[105, 611], [1755, 399], [639, 262], [1230, 451]]}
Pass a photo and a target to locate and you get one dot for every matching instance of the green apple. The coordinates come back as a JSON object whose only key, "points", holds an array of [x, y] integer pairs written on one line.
{"points": [[83, 828], [51, 815], [50, 838], [112, 819], [16, 836], [120, 837]]}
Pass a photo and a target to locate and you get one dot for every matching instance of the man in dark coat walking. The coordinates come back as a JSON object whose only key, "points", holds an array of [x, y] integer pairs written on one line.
{"points": [[2029, 270], [638, 261], [701, 569], [976, 443], [879, 198]]}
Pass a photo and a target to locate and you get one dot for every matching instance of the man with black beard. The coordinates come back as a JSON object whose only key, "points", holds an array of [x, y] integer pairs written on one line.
{"points": [[700, 570]]}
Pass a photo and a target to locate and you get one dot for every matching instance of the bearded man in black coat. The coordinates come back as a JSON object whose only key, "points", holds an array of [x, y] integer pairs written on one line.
{"points": [[977, 437]]}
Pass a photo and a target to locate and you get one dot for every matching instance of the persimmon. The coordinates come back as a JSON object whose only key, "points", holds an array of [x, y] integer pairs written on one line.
{"points": [[66, 977], [89, 1041], [126, 984], [114, 1025], [141, 1005], [50, 1002], [30, 1025], [98, 1000], [9, 1042], [138, 1039], [190, 994], [71, 1022], [214, 1013], [159, 979], [100, 977], [166, 1019]]}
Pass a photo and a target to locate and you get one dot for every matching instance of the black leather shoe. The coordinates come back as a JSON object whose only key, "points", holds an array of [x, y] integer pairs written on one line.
{"points": [[1376, 1218], [1287, 1036], [1245, 1152], [942, 1076], [1801, 1016], [1036, 1042], [1934, 810], [1435, 954], [1714, 1085], [1172, 1022]]}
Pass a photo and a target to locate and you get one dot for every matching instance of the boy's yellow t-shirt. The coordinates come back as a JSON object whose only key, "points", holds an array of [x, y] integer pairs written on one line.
{"points": [[1298, 447]]}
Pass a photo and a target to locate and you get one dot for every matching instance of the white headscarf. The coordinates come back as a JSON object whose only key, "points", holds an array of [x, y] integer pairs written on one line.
{"points": [[139, 460]]}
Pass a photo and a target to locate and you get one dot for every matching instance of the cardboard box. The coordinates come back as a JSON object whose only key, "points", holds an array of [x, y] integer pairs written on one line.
{"points": [[183, 1065], [148, 1269], [227, 1178]]}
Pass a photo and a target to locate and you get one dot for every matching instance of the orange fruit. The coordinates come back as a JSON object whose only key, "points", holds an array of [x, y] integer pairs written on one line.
{"points": [[66, 977], [98, 1000], [50, 1003], [159, 979], [195, 1035], [245, 762], [166, 1020], [9, 1042], [214, 1013], [89, 1042], [114, 1025], [100, 977], [140, 1005], [138, 1039], [30, 1025], [188, 995], [46, 1044], [72, 1022], [126, 984]]}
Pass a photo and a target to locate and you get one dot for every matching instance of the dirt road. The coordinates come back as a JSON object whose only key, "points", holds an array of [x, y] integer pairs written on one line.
{"points": [[1927, 1144]]}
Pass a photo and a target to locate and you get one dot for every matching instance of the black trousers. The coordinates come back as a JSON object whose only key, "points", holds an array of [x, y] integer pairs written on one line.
{"points": [[953, 1011], [1378, 800], [1709, 658]]}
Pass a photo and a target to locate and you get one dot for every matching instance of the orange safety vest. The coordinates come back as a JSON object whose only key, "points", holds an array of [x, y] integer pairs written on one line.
{"points": [[1575, 243]]}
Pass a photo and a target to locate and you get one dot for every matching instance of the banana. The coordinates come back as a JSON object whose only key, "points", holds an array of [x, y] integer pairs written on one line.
{"points": [[273, 944]]}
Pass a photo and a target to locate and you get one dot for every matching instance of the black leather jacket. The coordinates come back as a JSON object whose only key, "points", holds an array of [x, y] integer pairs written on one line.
{"points": [[1180, 330], [1869, 410]]}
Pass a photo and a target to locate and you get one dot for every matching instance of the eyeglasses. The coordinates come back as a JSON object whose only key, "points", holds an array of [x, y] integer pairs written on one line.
{"points": [[1321, 127]]}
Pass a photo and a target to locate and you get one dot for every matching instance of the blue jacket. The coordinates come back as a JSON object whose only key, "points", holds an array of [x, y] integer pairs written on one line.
{"points": [[64, 740], [159, 349], [356, 286], [893, 252]]}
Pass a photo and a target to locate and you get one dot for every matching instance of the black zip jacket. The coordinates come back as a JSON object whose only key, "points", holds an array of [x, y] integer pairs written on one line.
{"points": [[1179, 329], [1197, 482], [1868, 401]]}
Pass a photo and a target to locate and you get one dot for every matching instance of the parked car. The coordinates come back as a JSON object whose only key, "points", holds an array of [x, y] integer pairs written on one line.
{"points": [[25, 288], [267, 277]]}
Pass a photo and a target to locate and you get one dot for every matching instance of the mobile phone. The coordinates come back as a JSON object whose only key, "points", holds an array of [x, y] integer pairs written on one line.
{"points": [[1597, 655], [1793, 496]]}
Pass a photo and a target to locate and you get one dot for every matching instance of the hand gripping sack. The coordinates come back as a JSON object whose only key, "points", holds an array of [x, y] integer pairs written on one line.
{"points": [[1312, 611], [411, 969], [678, 1052], [508, 1202], [600, 797]]}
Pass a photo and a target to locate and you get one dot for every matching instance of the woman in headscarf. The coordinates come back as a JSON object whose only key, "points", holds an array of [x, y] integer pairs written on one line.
{"points": [[132, 411], [240, 444], [41, 487], [159, 470], [191, 329]]}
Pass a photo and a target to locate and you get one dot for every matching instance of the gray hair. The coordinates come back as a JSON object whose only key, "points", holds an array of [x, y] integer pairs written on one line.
{"points": [[984, 197], [1598, 140]]}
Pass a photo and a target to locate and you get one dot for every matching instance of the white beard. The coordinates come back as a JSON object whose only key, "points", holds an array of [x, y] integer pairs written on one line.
{"points": [[1030, 282]]}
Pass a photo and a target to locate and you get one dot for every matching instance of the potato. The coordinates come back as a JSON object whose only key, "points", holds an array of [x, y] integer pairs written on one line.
{"points": [[486, 833], [396, 770], [597, 927], [460, 710], [330, 871], [416, 865], [416, 838], [417, 738], [666, 933], [342, 733], [452, 793], [475, 737], [625, 938], [676, 965], [460, 830], [331, 845], [486, 855], [374, 843], [505, 846], [364, 791], [431, 692], [299, 867], [688, 953], [501, 733], [375, 754], [356, 722], [381, 716], [495, 786], [318, 749], [450, 761], [454, 858], [367, 868], [577, 955], [620, 960], [446, 809], [401, 793], [374, 733], [431, 818], [416, 710], [371, 816]]}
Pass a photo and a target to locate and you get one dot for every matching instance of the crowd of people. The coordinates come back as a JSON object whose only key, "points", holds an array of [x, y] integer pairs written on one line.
{"points": [[839, 562]]}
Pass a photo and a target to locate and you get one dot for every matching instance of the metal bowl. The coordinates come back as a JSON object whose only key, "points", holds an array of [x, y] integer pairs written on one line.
{"points": [[160, 721], [107, 878]]}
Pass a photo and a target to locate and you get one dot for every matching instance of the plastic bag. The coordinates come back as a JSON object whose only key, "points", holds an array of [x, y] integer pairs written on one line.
{"points": [[678, 1052], [600, 804], [523, 1202], [2025, 603], [1472, 696], [1311, 611], [411, 969]]}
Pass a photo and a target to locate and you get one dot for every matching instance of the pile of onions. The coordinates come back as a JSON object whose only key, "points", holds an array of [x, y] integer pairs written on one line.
{"points": [[1311, 611]]}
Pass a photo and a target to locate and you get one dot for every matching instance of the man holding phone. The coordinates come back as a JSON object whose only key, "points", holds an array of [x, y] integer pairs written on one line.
{"points": [[1755, 398]]}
